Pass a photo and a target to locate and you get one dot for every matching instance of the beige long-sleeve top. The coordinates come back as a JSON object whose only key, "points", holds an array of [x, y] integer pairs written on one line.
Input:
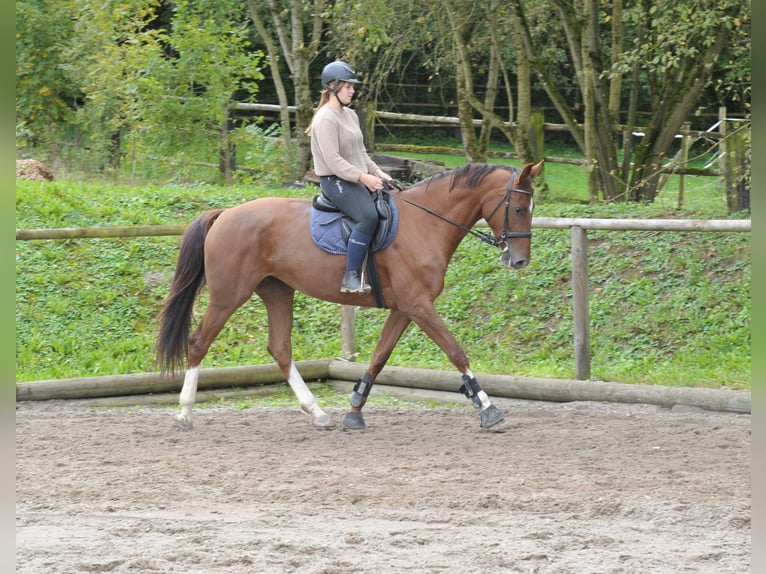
{"points": [[337, 144]]}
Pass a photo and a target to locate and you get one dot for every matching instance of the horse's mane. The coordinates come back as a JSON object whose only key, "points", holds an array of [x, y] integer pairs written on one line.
{"points": [[473, 172]]}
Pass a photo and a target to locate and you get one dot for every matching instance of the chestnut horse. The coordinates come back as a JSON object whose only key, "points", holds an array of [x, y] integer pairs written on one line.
{"points": [[263, 246]]}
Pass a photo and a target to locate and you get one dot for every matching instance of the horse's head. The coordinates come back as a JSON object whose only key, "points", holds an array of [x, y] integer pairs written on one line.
{"points": [[511, 218]]}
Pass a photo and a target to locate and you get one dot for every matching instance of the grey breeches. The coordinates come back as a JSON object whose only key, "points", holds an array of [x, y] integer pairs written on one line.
{"points": [[353, 199]]}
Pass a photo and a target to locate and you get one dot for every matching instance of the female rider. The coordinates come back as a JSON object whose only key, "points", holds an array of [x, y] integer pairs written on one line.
{"points": [[346, 173]]}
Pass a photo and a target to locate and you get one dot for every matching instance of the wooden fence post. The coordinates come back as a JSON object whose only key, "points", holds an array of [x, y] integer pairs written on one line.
{"points": [[537, 136], [733, 159], [580, 302], [686, 142], [348, 332]]}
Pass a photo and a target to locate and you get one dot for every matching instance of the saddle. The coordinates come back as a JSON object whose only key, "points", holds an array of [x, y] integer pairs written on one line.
{"points": [[331, 228]]}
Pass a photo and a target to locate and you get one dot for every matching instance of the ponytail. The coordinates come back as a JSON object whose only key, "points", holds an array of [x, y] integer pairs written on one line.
{"points": [[323, 99]]}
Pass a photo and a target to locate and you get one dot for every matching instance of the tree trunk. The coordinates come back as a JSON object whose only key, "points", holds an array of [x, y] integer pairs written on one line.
{"points": [[615, 85], [630, 122], [538, 65], [680, 93], [273, 58], [604, 126], [298, 51], [461, 33], [524, 141], [227, 151]]}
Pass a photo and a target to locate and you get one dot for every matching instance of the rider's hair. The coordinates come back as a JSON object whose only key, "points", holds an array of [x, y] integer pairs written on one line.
{"points": [[323, 99]]}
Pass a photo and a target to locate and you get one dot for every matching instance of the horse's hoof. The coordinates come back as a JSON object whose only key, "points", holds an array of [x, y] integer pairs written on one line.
{"points": [[184, 424], [354, 420], [324, 422], [491, 416]]}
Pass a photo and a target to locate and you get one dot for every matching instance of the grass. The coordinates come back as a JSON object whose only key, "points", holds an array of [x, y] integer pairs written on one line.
{"points": [[666, 308]]}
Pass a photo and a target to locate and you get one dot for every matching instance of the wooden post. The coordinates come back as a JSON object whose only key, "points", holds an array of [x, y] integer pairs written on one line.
{"points": [[348, 332], [722, 163], [537, 136], [580, 302], [227, 152], [732, 160], [686, 142]]}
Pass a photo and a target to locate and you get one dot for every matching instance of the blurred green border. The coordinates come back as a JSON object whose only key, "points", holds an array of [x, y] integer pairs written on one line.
{"points": [[758, 236], [7, 320]]}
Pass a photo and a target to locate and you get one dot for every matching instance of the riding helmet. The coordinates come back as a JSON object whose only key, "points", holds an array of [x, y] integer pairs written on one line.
{"points": [[338, 72]]}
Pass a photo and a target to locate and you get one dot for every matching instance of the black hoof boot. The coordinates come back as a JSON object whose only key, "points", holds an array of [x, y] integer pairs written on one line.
{"points": [[491, 416], [353, 420], [352, 283]]}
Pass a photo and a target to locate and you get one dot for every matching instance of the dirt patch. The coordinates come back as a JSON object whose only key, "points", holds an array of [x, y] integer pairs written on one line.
{"points": [[577, 487]]}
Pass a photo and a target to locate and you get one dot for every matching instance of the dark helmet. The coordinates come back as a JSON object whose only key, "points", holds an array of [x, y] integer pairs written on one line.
{"points": [[338, 72]]}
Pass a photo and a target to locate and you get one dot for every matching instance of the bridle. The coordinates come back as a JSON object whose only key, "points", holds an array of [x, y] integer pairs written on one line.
{"points": [[481, 235]]}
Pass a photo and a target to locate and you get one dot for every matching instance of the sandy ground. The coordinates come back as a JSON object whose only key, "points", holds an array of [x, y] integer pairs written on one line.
{"points": [[566, 488]]}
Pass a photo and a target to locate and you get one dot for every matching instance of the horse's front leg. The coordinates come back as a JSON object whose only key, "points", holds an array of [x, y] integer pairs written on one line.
{"points": [[433, 325], [393, 328]]}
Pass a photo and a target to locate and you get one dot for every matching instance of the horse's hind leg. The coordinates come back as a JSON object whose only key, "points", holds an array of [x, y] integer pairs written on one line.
{"points": [[212, 322], [278, 299]]}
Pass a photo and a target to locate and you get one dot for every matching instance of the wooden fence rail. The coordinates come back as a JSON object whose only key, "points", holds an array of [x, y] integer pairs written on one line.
{"points": [[579, 248]]}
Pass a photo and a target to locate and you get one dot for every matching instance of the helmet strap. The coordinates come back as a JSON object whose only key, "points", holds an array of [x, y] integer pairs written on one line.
{"points": [[334, 92]]}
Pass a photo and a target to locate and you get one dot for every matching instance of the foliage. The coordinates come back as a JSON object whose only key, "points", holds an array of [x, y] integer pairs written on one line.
{"points": [[43, 93], [264, 157], [184, 90], [131, 86], [666, 308], [104, 59]]}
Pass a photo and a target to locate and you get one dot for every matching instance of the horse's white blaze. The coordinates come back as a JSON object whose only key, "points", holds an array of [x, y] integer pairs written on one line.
{"points": [[188, 394], [306, 398]]}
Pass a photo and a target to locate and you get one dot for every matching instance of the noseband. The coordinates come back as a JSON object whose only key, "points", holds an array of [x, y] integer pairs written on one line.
{"points": [[486, 237], [507, 233]]}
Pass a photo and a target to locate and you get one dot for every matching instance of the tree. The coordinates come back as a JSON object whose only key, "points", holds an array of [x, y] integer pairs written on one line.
{"points": [[44, 96], [185, 84], [684, 40], [479, 33], [374, 36], [103, 59], [296, 27], [670, 49]]}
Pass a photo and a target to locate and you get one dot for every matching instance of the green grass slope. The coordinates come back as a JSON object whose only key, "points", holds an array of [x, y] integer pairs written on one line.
{"points": [[665, 308]]}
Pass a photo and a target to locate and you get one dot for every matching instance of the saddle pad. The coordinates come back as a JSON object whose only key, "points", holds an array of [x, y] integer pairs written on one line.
{"points": [[327, 234]]}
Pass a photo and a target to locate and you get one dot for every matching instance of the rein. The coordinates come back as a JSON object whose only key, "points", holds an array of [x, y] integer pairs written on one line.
{"points": [[481, 235]]}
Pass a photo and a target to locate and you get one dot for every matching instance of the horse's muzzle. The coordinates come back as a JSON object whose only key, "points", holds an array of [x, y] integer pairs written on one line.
{"points": [[513, 262]]}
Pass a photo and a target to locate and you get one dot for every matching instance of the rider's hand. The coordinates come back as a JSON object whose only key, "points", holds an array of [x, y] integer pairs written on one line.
{"points": [[371, 182]]}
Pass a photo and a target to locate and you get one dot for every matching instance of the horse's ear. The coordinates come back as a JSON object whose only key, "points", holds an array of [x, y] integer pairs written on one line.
{"points": [[530, 171], [534, 169]]}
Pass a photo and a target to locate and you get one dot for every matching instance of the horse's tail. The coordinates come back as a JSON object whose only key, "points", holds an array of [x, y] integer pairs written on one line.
{"points": [[176, 317]]}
